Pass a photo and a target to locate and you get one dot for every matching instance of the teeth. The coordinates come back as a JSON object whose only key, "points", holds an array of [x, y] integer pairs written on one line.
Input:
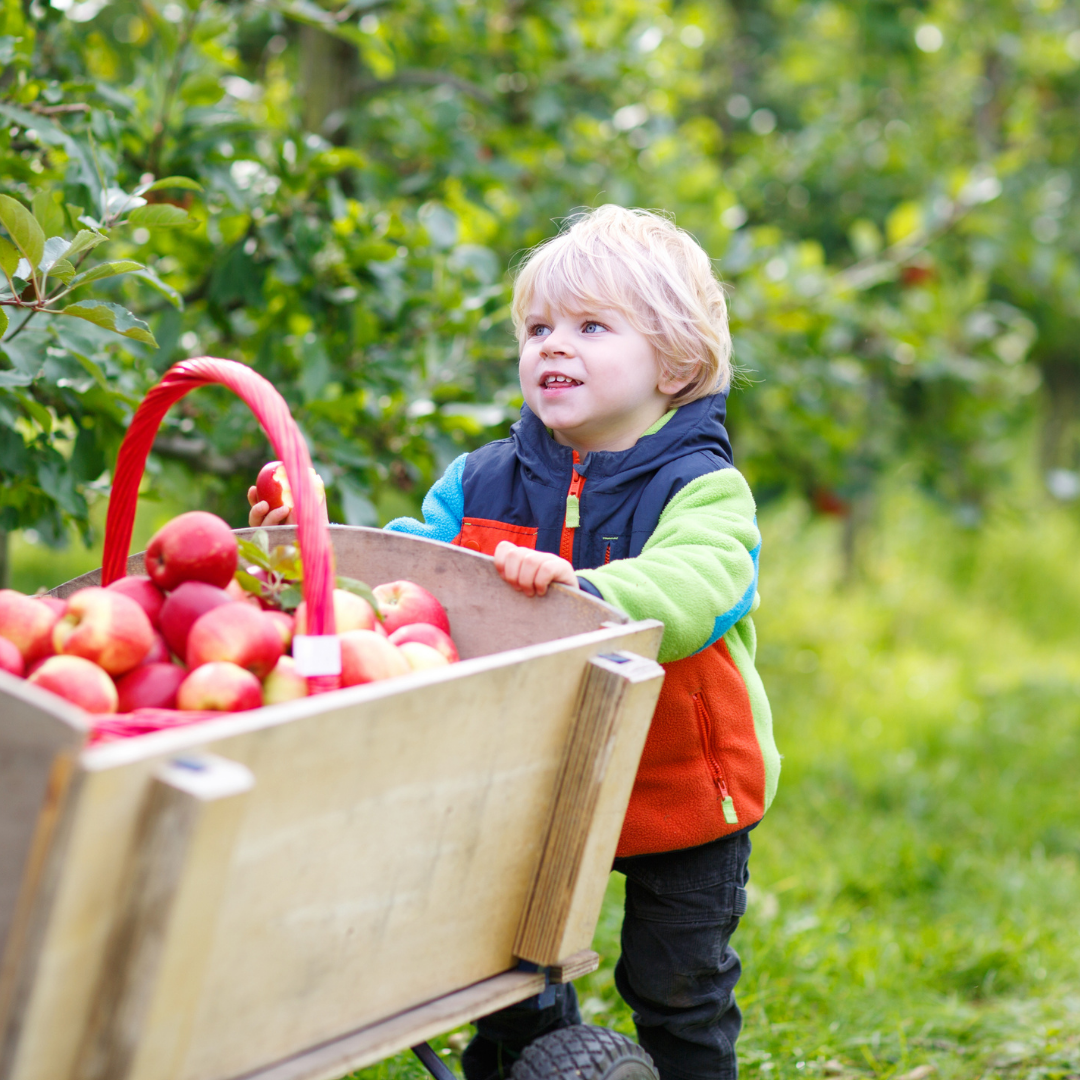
{"points": [[553, 380]]}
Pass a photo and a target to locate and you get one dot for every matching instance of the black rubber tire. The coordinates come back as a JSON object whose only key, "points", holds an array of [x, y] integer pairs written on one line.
{"points": [[584, 1052]]}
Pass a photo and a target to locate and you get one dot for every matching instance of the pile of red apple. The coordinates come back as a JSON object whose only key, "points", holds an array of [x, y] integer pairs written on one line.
{"points": [[190, 636]]}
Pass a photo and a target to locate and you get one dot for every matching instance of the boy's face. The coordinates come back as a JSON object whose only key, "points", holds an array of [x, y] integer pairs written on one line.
{"points": [[592, 378]]}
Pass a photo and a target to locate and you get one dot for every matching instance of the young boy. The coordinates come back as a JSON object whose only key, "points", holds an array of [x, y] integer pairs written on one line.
{"points": [[618, 479]]}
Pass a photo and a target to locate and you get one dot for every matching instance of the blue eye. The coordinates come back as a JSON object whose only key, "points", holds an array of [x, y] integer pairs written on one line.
{"points": [[539, 330], [588, 325]]}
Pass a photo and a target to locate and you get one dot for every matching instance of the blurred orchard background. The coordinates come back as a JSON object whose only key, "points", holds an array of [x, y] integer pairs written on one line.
{"points": [[889, 190]]}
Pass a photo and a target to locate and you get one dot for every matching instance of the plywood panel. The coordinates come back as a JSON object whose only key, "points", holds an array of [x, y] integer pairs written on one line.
{"points": [[383, 859]]}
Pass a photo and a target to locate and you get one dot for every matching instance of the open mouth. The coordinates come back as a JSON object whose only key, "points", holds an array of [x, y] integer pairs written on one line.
{"points": [[554, 382]]}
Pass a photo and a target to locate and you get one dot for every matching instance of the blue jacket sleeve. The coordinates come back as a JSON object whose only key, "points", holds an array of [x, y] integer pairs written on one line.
{"points": [[443, 508]]}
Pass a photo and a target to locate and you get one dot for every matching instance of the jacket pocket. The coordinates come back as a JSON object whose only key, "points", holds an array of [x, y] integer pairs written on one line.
{"points": [[712, 760], [484, 535]]}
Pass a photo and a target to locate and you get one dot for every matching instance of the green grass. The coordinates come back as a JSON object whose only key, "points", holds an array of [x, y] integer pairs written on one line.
{"points": [[915, 900]]}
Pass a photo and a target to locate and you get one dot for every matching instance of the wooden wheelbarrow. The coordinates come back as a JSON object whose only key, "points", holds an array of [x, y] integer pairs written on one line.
{"points": [[298, 891]]}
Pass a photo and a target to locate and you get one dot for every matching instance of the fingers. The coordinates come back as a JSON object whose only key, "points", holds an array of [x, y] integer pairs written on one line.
{"points": [[531, 572], [261, 515], [253, 495]]}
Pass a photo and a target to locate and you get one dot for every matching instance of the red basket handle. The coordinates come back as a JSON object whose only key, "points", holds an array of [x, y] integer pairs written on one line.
{"points": [[273, 414]]}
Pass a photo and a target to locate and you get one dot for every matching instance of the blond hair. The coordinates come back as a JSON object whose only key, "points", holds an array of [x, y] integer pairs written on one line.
{"points": [[657, 276]]}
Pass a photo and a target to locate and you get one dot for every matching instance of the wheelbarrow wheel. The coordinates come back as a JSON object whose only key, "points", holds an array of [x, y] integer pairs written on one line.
{"points": [[584, 1052]]}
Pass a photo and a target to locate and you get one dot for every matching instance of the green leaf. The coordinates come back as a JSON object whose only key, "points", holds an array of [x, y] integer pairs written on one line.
{"points": [[63, 270], [37, 411], [111, 317], [289, 598], [248, 582], [159, 216], [285, 561], [361, 589], [184, 182], [9, 257], [48, 213], [104, 270], [56, 247], [166, 290], [22, 228], [84, 240], [252, 553], [3, 322]]}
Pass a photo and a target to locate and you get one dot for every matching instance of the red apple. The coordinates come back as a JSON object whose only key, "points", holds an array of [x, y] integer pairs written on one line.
{"points": [[273, 487], [195, 546], [368, 657], [238, 594], [286, 625], [219, 687], [183, 606], [428, 635], [144, 592], [79, 681], [405, 602], [53, 603], [106, 627], [11, 659], [241, 634], [159, 652], [351, 612], [27, 623], [284, 683], [151, 686], [420, 656]]}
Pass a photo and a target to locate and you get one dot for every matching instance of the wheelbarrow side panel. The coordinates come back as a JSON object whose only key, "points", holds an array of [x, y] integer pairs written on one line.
{"points": [[383, 858]]}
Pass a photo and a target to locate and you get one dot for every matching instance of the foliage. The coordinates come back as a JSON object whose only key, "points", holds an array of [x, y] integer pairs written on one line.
{"points": [[887, 189]]}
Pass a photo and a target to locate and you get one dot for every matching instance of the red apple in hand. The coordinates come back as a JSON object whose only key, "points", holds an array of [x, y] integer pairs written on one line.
{"points": [[11, 659], [144, 592], [183, 606], [195, 546], [28, 624], [429, 635], [220, 687], [368, 657], [106, 627], [77, 680], [351, 612], [239, 633], [284, 683], [404, 602], [151, 686], [272, 486]]}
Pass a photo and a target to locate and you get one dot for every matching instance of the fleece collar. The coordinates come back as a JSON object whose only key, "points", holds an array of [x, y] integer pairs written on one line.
{"points": [[695, 427]]}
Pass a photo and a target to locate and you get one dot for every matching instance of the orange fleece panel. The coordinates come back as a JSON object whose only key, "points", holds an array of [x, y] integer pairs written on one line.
{"points": [[677, 801]]}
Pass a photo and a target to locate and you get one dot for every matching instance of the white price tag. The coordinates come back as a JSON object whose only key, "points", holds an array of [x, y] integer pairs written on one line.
{"points": [[317, 655]]}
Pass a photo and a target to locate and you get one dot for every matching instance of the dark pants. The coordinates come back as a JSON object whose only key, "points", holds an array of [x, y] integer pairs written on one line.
{"points": [[677, 970]]}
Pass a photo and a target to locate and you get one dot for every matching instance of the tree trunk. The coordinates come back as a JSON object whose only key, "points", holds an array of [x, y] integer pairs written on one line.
{"points": [[328, 70]]}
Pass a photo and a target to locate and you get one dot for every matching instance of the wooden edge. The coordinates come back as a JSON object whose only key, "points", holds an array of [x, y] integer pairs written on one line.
{"points": [[573, 967], [371, 1044], [607, 694], [178, 740], [35, 904], [175, 814]]}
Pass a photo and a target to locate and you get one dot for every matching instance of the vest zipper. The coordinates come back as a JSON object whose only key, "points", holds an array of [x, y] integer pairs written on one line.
{"points": [[572, 516], [607, 555], [705, 729]]}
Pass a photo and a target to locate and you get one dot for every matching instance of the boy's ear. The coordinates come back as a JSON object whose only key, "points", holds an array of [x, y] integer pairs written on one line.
{"points": [[671, 385]]}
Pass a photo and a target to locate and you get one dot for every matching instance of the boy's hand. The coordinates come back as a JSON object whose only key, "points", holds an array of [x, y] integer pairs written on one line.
{"points": [[531, 572], [261, 514]]}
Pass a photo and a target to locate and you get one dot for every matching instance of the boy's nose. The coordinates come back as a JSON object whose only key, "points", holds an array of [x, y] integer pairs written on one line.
{"points": [[555, 344]]}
